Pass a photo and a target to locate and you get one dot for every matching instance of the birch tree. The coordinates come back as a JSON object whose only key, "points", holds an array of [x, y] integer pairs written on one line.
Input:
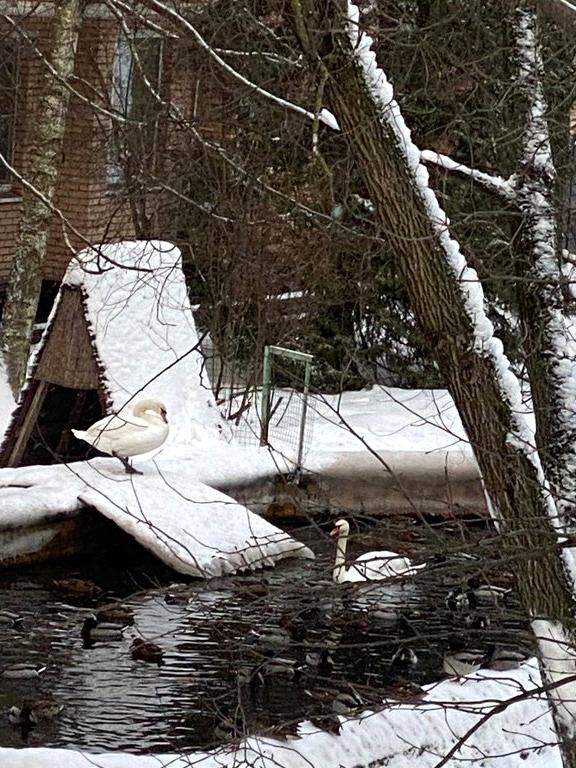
{"points": [[25, 280]]}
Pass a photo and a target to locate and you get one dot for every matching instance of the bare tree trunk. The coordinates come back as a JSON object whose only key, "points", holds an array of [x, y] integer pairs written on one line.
{"points": [[447, 302], [25, 279]]}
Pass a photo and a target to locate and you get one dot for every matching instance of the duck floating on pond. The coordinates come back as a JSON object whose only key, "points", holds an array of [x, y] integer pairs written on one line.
{"points": [[269, 637], [404, 659], [476, 594], [77, 587], [29, 715], [23, 670], [504, 659], [464, 661], [93, 630], [146, 650], [322, 661], [123, 435], [11, 619], [115, 613]]}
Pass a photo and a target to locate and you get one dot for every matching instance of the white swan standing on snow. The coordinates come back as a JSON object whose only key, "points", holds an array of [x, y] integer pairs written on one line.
{"points": [[122, 435], [372, 566]]}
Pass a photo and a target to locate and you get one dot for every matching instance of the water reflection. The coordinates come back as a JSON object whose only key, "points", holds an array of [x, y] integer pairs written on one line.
{"points": [[218, 640]]}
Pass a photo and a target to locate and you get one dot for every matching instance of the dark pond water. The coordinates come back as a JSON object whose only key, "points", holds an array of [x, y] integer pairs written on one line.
{"points": [[211, 653]]}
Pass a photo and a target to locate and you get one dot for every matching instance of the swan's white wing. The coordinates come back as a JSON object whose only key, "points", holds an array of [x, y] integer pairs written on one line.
{"points": [[380, 555], [119, 434], [115, 423], [381, 565]]}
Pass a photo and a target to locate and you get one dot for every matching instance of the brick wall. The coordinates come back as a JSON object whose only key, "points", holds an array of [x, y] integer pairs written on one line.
{"points": [[91, 208], [9, 217]]}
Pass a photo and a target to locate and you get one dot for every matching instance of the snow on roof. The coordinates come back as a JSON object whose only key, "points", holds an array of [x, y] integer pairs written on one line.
{"points": [[140, 317], [191, 527], [399, 736]]}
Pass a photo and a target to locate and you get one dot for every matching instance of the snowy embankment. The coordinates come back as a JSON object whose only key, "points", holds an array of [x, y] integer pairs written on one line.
{"points": [[399, 736], [191, 527], [146, 344]]}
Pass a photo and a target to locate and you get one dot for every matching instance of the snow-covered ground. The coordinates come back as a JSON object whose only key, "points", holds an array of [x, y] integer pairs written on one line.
{"points": [[172, 509], [388, 419]]}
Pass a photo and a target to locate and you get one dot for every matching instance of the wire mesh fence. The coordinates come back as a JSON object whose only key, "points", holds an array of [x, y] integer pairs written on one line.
{"points": [[274, 413]]}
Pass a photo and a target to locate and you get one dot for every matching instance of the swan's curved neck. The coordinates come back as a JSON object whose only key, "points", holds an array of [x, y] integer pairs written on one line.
{"points": [[339, 572]]}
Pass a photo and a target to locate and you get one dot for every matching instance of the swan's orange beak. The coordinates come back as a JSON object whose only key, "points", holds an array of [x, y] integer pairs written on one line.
{"points": [[335, 532]]}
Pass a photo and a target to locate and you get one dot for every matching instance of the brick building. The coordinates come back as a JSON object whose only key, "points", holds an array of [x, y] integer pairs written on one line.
{"points": [[114, 129]]}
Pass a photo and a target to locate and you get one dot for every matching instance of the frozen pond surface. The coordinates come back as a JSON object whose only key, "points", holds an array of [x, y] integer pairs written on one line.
{"points": [[211, 653]]}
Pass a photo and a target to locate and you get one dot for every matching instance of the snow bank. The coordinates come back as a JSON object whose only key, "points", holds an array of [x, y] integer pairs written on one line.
{"points": [[398, 736], [388, 418], [144, 333], [7, 402], [189, 526]]}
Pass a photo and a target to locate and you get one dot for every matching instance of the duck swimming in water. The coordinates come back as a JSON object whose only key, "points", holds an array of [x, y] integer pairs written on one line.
{"points": [[24, 670], [93, 630], [146, 650], [31, 714], [123, 435]]}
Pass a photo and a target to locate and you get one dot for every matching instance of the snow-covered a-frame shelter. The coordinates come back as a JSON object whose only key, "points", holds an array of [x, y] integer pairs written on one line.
{"points": [[121, 328]]}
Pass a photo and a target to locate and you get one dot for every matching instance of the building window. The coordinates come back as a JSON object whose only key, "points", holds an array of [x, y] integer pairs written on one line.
{"points": [[8, 74], [136, 74]]}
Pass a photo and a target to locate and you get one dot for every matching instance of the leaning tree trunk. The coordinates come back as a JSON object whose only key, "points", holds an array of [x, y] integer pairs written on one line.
{"points": [[446, 299], [25, 280]]}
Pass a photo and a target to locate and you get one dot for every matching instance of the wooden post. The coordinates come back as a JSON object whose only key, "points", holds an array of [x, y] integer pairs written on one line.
{"points": [[28, 423]]}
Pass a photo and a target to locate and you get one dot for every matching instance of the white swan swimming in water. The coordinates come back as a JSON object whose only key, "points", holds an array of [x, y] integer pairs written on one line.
{"points": [[123, 435], [372, 566]]}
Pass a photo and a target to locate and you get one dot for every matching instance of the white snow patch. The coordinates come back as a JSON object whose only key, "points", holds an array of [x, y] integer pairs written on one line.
{"points": [[7, 402], [189, 526], [328, 119], [488, 180], [559, 656], [387, 418]]}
